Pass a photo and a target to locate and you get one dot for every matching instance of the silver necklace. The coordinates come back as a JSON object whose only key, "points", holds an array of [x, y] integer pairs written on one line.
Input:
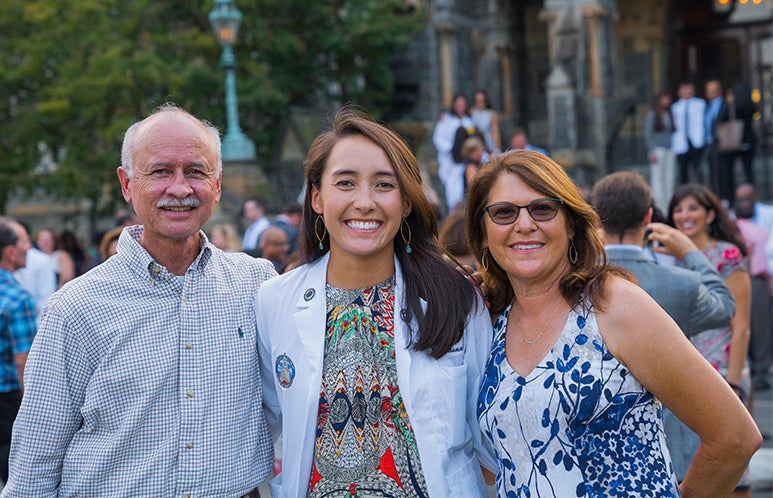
{"points": [[544, 329]]}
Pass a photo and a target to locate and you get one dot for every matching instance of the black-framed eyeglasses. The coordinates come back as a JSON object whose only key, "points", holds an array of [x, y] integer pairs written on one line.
{"points": [[505, 213]]}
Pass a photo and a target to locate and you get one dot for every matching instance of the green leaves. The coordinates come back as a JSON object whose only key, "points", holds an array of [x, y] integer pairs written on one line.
{"points": [[74, 74]]}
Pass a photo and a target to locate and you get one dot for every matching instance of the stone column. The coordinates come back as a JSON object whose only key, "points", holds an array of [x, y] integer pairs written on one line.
{"points": [[561, 111], [549, 18], [505, 53], [593, 15], [446, 36]]}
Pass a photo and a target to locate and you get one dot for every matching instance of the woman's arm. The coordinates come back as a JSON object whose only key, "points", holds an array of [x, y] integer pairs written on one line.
{"points": [[740, 285], [644, 338], [66, 268], [470, 170], [495, 133]]}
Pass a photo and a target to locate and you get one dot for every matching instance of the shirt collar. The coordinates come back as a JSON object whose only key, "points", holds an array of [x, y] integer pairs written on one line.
{"points": [[7, 277], [133, 254]]}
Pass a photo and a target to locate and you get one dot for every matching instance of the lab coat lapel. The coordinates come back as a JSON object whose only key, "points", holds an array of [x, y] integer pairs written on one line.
{"points": [[405, 326], [310, 322]]}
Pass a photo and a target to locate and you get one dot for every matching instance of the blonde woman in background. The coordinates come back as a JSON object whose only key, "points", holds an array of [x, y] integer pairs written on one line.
{"points": [[225, 238]]}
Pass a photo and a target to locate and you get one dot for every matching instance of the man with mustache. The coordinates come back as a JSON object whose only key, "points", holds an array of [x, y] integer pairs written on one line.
{"points": [[143, 379]]}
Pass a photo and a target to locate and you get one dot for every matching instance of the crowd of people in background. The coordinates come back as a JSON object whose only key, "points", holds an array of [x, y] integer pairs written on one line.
{"points": [[572, 344]]}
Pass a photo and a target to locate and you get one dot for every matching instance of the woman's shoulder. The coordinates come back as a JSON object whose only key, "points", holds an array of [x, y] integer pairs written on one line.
{"points": [[728, 252], [728, 257], [623, 297]]}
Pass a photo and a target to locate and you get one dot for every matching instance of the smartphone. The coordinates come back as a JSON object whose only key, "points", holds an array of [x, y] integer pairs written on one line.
{"points": [[650, 243]]}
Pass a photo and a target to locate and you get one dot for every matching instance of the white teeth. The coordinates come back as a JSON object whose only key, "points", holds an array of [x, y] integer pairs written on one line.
{"points": [[363, 225], [527, 246]]}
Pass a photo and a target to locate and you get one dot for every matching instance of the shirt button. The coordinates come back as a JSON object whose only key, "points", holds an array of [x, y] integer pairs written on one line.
{"points": [[189, 444], [185, 299], [156, 270], [188, 346], [190, 394], [186, 496]]}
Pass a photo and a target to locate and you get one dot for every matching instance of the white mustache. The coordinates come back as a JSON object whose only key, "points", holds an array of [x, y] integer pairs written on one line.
{"points": [[186, 202]]}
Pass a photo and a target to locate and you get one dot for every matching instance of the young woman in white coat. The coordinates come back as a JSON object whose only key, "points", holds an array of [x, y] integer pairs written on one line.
{"points": [[372, 350]]}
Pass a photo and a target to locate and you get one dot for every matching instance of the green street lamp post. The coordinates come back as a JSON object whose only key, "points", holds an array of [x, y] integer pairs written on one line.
{"points": [[225, 19]]}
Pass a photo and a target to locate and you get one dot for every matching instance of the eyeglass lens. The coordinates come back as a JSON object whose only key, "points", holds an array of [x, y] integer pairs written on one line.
{"points": [[505, 213]]}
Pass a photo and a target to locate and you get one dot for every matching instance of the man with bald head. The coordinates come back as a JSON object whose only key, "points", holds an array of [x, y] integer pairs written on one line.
{"points": [[274, 245], [17, 329], [143, 379]]}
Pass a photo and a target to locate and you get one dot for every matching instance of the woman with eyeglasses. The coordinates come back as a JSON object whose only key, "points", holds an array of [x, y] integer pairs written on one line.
{"points": [[582, 357]]}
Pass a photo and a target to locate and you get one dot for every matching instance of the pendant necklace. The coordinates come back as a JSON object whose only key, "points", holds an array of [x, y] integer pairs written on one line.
{"points": [[531, 342]]}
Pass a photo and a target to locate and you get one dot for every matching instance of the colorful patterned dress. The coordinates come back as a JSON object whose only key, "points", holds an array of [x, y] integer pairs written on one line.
{"points": [[714, 345], [364, 442], [578, 425]]}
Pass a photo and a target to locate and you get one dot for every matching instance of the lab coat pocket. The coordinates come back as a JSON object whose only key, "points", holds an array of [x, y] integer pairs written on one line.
{"points": [[448, 391], [467, 481], [275, 485]]}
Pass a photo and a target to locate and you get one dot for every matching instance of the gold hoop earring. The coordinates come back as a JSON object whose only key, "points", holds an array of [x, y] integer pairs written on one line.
{"points": [[404, 223], [484, 260], [572, 252], [320, 238]]}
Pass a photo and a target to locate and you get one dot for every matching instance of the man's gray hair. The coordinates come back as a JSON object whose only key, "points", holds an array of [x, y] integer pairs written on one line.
{"points": [[128, 147]]}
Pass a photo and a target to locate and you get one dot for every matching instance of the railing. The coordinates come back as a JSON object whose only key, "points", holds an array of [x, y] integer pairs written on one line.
{"points": [[629, 113]]}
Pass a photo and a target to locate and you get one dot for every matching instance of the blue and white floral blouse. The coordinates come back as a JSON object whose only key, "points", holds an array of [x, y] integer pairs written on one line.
{"points": [[578, 425]]}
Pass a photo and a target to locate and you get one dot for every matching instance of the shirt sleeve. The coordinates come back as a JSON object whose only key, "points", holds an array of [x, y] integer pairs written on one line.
{"points": [[714, 304], [478, 336], [444, 134], [55, 380], [22, 324], [271, 406]]}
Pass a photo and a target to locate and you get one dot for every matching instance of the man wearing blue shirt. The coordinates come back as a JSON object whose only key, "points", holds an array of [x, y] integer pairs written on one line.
{"points": [[17, 329], [143, 379], [715, 104], [689, 137], [519, 141]]}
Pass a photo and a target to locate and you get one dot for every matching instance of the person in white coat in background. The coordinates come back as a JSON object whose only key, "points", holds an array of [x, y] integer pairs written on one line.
{"points": [[447, 135], [372, 351]]}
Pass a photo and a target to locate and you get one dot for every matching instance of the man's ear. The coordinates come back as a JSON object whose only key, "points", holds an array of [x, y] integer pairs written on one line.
{"points": [[648, 217], [124, 179]]}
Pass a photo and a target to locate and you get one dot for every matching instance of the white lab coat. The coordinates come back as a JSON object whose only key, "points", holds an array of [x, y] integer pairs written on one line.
{"points": [[440, 395], [450, 172]]}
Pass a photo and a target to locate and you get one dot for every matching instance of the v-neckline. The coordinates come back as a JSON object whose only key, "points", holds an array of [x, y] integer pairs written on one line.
{"points": [[542, 360]]}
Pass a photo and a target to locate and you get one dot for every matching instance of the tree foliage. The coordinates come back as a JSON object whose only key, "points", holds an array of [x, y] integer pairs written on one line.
{"points": [[75, 74]]}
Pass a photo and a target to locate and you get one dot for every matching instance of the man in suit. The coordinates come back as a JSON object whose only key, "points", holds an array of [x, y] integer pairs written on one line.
{"points": [[696, 297], [715, 105], [689, 136]]}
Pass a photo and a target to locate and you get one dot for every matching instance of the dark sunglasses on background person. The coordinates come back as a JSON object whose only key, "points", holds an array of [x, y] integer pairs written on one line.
{"points": [[505, 213]]}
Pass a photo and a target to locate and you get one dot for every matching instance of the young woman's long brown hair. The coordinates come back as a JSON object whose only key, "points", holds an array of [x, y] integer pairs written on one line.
{"points": [[427, 275]]}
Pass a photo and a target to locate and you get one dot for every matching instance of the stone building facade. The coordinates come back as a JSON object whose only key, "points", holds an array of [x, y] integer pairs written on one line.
{"points": [[579, 75]]}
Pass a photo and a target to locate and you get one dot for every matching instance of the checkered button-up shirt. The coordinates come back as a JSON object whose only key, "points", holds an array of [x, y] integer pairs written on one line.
{"points": [[141, 383], [17, 328]]}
